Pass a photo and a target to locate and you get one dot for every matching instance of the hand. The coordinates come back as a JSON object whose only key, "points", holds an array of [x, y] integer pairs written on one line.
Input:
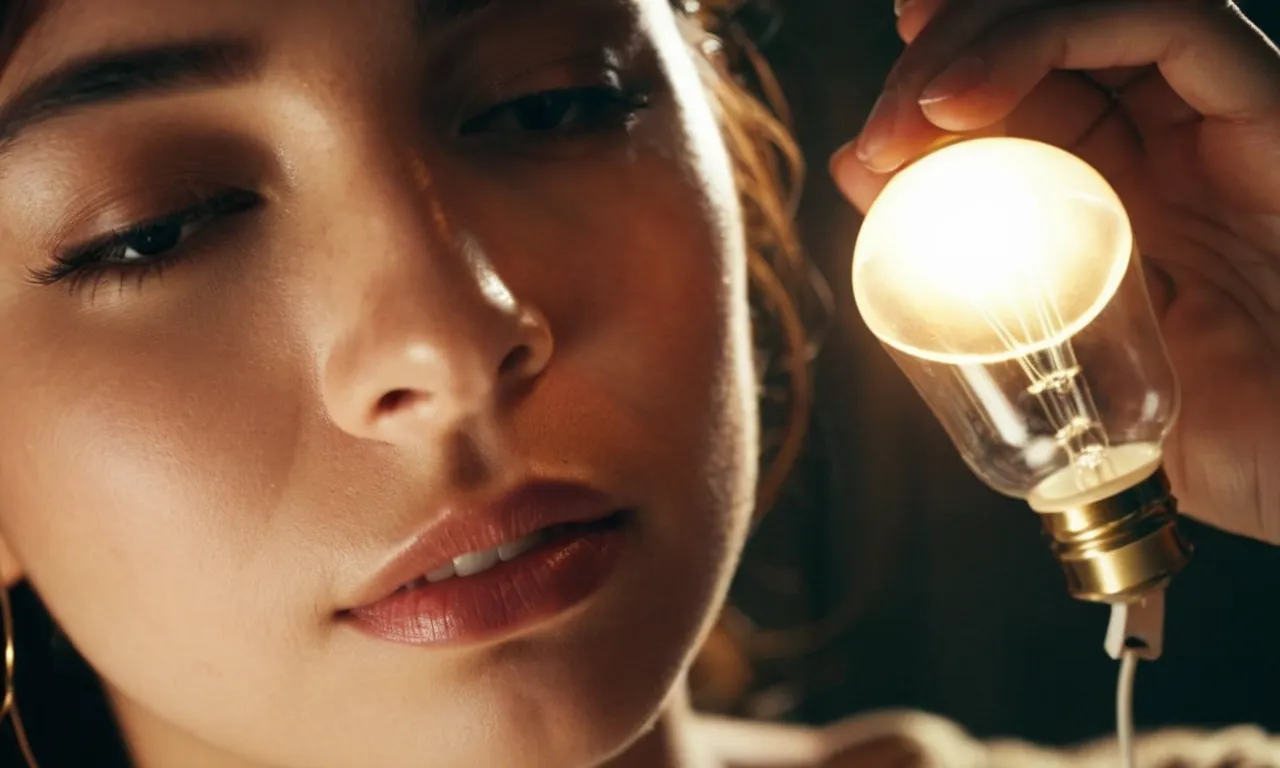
{"points": [[1177, 103]]}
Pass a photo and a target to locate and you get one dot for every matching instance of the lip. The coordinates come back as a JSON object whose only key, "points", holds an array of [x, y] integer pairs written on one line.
{"points": [[545, 581]]}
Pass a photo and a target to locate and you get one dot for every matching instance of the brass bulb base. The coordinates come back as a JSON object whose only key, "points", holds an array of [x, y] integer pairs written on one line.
{"points": [[1118, 548]]}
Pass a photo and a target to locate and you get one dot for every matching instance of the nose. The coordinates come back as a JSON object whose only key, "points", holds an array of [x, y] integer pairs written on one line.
{"points": [[430, 337]]}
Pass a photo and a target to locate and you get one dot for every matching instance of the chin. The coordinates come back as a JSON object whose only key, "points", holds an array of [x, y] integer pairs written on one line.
{"points": [[582, 692], [579, 690]]}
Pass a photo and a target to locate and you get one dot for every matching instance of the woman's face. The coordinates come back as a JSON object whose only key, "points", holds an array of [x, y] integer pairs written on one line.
{"points": [[290, 289]]}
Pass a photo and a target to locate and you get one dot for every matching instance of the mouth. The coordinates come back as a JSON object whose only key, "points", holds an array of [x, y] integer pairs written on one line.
{"points": [[479, 573], [473, 563]]}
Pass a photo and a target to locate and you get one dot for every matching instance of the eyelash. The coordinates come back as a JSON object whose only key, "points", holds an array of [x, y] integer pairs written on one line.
{"points": [[108, 256], [565, 114], [599, 109]]}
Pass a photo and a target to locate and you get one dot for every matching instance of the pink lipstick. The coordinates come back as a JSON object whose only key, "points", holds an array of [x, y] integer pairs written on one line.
{"points": [[477, 573]]}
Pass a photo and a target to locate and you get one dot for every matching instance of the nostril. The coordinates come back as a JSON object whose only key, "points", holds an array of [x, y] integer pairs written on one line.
{"points": [[396, 400], [515, 359]]}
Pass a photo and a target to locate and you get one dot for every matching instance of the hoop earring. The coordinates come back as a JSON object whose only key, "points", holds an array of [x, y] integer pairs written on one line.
{"points": [[9, 706]]}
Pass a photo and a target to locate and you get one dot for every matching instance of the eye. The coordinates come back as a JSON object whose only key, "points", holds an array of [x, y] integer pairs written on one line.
{"points": [[149, 244], [152, 240], [561, 113]]}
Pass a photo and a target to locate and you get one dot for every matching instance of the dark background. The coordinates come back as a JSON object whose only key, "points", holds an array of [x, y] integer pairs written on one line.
{"points": [[927, 589]]}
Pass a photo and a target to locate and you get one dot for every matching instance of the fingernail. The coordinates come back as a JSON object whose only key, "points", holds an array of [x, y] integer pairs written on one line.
{"points": [[878, 129], [900, 7], [885, 163], [964, 75]]}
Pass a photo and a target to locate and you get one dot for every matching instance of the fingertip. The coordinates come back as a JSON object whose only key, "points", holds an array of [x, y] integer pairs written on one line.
{"points": [[912, 15], [909, 28], [844, 162], [858, 183], [841, 155]]}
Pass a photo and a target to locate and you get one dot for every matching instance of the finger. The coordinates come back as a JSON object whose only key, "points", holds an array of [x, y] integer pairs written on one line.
{"points": [[1108, 147], [947, 28], [859, 184], [1157, 97], [1213, 59], [914, 15], [1148, 99], [1068, 110], [862, 185], [953, 23], [1143, 90], [1209, 55], [1118, 78]]}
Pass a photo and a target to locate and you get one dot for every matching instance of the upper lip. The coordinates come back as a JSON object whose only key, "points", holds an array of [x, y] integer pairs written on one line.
{"points": [[460, 529]]}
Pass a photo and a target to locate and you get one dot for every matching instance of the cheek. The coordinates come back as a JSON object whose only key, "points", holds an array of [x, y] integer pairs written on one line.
{"points": [[651, 384], [138, 469], [630, 263], [173, 465]]}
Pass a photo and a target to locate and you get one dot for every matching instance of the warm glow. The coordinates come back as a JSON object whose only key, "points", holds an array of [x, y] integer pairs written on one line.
{"points": [[989, 250]]}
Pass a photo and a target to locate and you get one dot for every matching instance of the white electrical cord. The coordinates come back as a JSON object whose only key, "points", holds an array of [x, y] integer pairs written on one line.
{"points": [[1124, 710], [1136, 632]]}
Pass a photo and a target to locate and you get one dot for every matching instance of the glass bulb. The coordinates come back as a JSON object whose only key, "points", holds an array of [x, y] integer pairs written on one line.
{"points": [[1001, 274]]}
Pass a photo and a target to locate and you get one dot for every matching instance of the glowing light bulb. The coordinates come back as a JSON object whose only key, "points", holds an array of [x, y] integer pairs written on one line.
{"points": [[1001, 274]]}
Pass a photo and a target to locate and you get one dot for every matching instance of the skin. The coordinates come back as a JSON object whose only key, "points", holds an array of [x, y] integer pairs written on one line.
{"points": [[208, 451]]}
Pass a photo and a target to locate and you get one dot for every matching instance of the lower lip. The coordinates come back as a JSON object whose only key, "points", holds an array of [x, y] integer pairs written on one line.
{"points": [[513, 595]]}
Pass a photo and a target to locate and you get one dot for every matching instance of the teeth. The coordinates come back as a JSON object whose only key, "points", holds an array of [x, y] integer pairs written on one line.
{"points": [[475, 562], [514, 549], [439, 574], [478, 562]]}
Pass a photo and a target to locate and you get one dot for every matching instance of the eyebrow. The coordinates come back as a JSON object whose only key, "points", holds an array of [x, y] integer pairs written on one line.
{"points": [[118, 76]]}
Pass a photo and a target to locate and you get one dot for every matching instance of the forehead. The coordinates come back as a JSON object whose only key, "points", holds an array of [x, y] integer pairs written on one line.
{"points": [[37, 33], [114, 16]]}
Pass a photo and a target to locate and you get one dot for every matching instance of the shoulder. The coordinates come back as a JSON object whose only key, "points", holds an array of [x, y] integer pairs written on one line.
{"points": [[890, 739], [1243, 745], [909, 739], [920, 740]]}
